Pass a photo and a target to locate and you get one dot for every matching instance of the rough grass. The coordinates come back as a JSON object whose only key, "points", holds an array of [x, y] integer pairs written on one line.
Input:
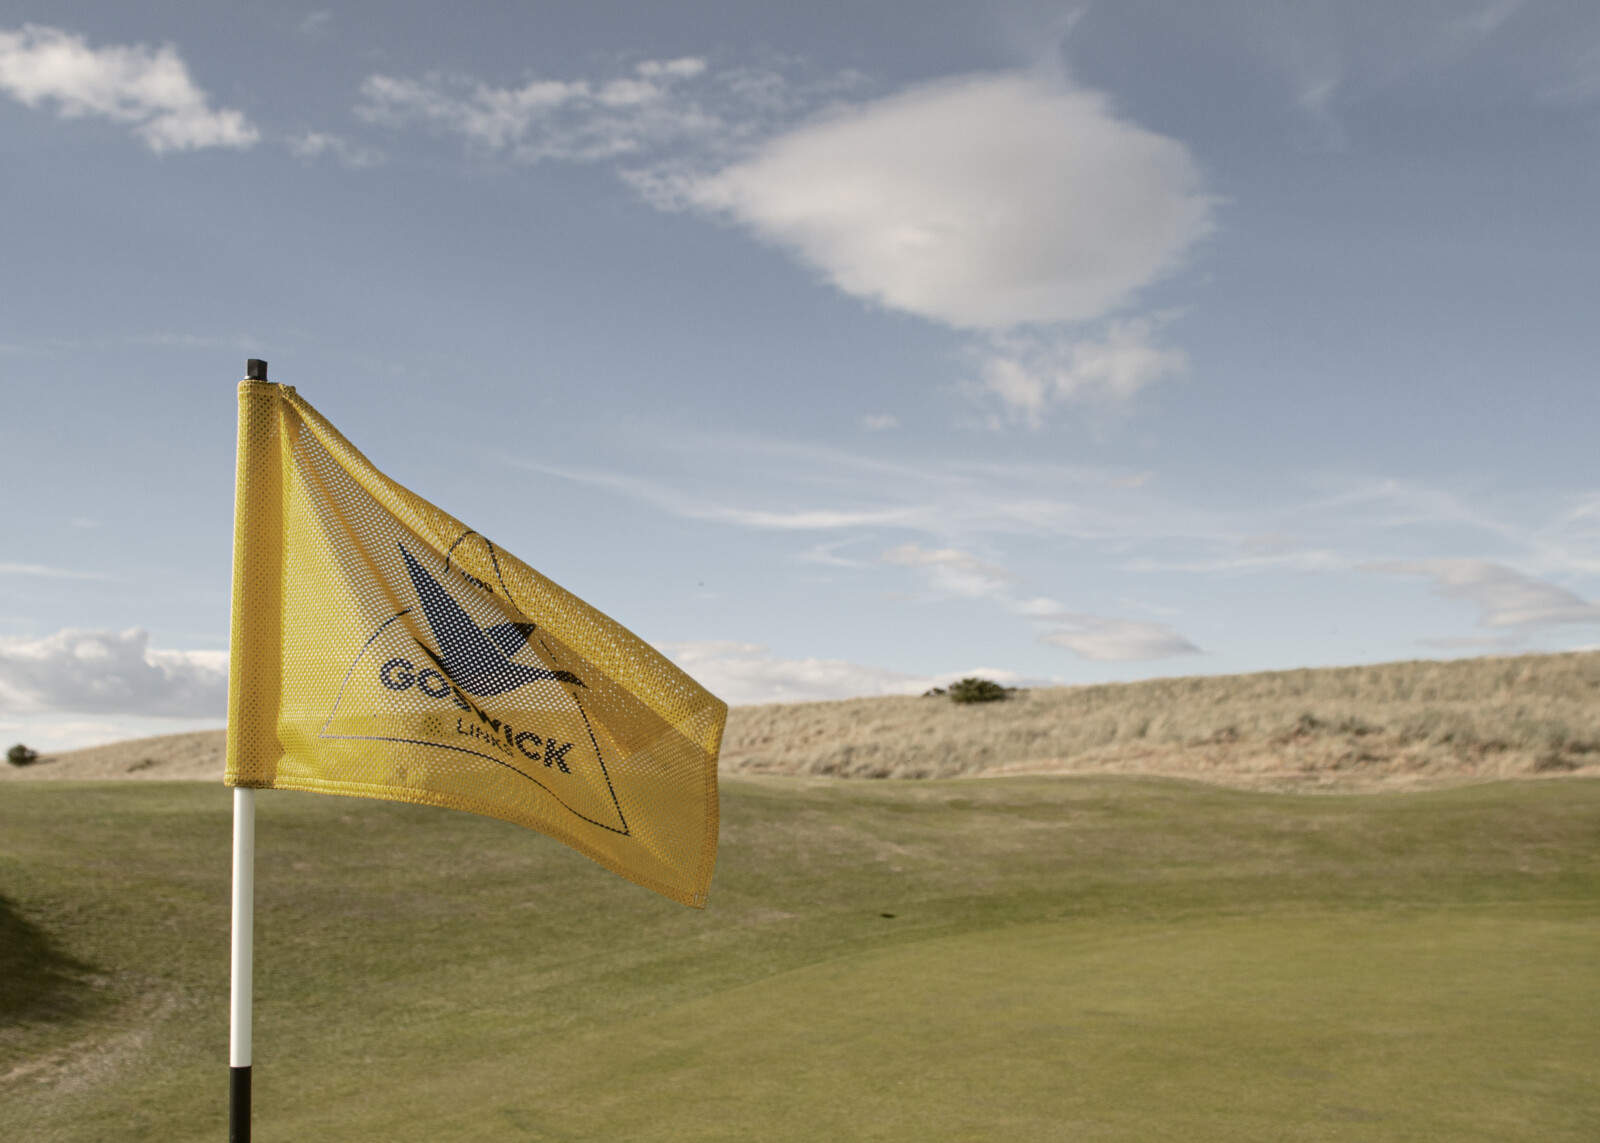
{"points": [[1028, 958], [1393, 725]]}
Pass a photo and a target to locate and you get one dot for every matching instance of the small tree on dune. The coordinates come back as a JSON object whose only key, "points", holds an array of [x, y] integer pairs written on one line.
{"points": [[20, 755], [977, 690]]}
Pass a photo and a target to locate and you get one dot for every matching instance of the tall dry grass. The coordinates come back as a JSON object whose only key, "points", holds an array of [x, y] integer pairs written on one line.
{"points": [[1342, 728], [1345, 727]]}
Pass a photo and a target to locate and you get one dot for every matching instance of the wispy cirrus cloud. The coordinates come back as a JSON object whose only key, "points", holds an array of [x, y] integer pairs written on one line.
{"points": [[1504, 597], [952, 571], [955, 573], [45, 571], [148, 89], [1547, 538], [1575, 81], [1030, 374], [851, 492], [630, 116], [1315, 559], [110, 672], [692, 506], [1118, 640], [1331, 60], [310, 145], [316, 24]]}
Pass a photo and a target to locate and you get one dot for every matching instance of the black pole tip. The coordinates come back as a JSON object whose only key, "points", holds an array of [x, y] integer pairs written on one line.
{"points": [[239, 1104], [255, 370]]}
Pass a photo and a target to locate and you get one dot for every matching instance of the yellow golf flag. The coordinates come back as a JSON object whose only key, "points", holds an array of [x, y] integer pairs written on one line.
{"points": [[383, 649]]}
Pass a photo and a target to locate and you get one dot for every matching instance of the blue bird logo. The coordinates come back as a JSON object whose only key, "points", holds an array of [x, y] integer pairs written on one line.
{"points": [[476, 659]]}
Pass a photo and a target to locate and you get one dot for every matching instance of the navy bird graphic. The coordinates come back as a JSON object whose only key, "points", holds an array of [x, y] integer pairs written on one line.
{"points": [[476, 659]]}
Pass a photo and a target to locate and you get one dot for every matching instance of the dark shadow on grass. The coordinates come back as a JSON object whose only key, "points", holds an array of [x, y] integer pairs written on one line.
{"points": [[39, 982]]}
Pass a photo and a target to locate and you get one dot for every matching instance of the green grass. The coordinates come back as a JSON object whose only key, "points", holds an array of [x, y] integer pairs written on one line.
{"points": [[1069, 958]]}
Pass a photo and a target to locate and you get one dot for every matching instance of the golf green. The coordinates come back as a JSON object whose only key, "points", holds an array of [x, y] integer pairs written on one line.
{"points": [[1028, 959]]}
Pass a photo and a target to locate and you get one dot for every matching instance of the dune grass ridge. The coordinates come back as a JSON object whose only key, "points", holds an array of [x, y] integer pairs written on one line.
{"points": [[1393, 724]]}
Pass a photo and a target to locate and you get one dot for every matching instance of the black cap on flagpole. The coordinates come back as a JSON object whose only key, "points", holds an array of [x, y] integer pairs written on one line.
{"points": [[255, 369]]}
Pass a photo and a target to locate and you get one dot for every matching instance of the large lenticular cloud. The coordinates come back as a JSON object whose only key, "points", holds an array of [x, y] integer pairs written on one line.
{"points": [[983, 202]]}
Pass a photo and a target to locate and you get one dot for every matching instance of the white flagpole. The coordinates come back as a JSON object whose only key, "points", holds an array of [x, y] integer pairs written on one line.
{"points": [[239, 998], [242, 958]]}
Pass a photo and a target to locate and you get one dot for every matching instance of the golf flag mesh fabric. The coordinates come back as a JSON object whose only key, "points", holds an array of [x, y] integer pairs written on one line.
{"points": [[383, 649]]}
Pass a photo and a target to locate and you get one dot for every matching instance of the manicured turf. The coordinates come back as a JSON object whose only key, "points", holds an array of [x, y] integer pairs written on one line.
{"points": [[1066, 959]]}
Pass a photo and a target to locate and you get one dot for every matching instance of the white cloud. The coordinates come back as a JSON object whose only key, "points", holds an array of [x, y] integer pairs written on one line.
{"points": [[147, 88], [46, 572], [981, 202], [1031, 373], [573, 120], [986, 202], [743, 674], [110, 672], [316, 24], [951, 571], [828, 555], [879, 422], [1312, 559], [686, 68], [1118, 640], [1038, 607], [1504, 597], [316, 144]]}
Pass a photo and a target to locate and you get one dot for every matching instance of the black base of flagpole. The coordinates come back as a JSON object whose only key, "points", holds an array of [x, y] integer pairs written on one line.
{"points": [[239, 1105]]}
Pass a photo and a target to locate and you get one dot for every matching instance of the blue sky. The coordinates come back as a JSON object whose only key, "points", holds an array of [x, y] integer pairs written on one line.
{"points": [[835, 349]]}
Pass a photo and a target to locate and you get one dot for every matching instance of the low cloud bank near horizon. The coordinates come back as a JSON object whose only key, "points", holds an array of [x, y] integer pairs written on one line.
{"points": [[94, 673], [110, 672]]}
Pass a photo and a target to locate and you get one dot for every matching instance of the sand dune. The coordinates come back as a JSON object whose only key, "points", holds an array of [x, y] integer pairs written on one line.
{"points": [[1395, 725], [171, 757]]}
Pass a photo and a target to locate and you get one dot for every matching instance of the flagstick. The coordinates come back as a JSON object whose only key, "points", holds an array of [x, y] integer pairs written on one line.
{"points": [[242, 958], [239, 998]]}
